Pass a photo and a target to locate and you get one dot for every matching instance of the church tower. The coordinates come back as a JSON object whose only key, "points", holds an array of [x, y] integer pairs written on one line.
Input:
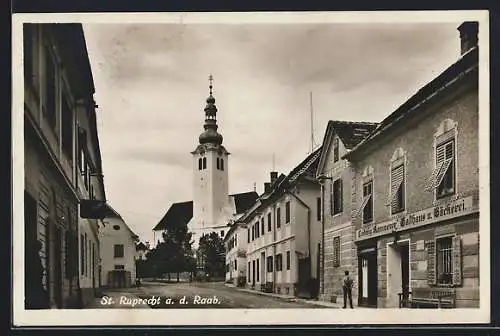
{"points": [[211, 206]]}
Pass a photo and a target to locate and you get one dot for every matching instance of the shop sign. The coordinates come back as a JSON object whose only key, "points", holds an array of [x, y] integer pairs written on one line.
{"points": [[444, 211]]}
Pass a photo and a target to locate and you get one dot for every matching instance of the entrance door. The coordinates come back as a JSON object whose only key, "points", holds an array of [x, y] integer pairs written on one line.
{"points": [[253, 273], [398, 272], [304, 277], [263, 267], [405, 271], [368, 279], [57, 267], [31, 254]]}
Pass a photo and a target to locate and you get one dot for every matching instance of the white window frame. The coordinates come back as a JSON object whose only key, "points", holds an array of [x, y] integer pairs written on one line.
{"points": [[367, 176], [446, 131], [398, 159]]}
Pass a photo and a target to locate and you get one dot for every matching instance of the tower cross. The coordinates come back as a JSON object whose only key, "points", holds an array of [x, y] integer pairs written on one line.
{"points": [[211, 79]]}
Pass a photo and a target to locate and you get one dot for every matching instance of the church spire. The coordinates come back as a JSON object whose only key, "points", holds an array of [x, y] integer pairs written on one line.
{"points": [[210, 135]]}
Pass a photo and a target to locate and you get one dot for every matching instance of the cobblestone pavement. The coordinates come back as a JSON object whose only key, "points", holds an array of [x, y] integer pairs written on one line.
{"points": [[194, 295]]}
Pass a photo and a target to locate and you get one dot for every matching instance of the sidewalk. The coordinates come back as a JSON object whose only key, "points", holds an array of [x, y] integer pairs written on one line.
{"points": [[291, 298]]}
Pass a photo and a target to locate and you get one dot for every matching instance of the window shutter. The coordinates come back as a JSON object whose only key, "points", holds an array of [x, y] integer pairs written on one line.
{"points": [[332, 196], [440, 155], [431, 262], [341, 194], [457, 260]]}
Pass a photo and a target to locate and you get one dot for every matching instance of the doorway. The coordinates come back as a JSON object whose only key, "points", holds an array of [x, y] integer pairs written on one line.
{"points": [[58, 267], [263, 267], [398, 272], [253, 273], [368, 277]]}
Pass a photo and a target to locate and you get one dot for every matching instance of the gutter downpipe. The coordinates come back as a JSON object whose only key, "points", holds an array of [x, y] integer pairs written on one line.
{"points": [[308, 230], [274, 247], [322, 270]]}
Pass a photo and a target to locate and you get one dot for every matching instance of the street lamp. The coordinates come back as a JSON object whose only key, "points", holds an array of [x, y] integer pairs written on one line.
{"points": [[322, 178]]}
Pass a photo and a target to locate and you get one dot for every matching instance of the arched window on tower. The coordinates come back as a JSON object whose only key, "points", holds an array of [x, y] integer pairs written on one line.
{"points": [[221, 164], [200, 162], [204, 163], [218, 165]]}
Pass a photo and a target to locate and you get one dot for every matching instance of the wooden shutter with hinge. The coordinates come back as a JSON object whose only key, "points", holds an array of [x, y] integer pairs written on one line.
{"points": [[457, 260], [431, 262]]}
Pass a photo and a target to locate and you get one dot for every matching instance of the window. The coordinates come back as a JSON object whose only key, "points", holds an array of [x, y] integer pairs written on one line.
{"points": [[200, 164], [218, 165], [257, 269], [367, 205], [270, 264], [119, 251], [278, 218], [336, 196], [82, 254], [253, 232], [262, 226], [221, 164], [248, 271], [279, 262], [257, 233], [204, 163], [336, 251], [235, 239], [445, 178], [119, 267], [85, 250], [269, 220], [222, 233], [88, 174], [235, 265], [82, 160], [335, 149], [248, 235], [397, 189], [67, 128], [318, 208], [288, 260], [287, 212], [50, 89], [444, 260], [116, 227]]}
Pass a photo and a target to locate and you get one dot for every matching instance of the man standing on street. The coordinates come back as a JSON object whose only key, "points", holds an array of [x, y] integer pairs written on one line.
{"points": [[347, 288]]}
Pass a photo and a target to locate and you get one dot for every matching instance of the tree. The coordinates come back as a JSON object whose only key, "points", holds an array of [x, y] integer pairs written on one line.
{"points": [[211, 249]]}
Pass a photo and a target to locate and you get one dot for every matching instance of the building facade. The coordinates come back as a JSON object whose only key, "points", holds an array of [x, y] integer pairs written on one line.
{"points": [[235, 242], [283, 232], [118, 252], [339, 253], [416, 192], [58, 89]]}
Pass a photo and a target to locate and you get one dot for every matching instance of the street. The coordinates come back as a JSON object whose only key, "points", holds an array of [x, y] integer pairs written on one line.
{"points": [[192, 295]]}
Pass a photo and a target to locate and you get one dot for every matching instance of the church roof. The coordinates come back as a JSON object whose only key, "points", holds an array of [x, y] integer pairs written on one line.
{"points": [[179, 214], [244, 201]]}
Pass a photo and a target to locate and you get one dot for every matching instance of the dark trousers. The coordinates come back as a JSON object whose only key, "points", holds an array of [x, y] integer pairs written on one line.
{"points": [[347, 295]]}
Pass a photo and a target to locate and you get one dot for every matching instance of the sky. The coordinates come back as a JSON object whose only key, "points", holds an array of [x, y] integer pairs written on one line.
{"points": [[152, 81]]}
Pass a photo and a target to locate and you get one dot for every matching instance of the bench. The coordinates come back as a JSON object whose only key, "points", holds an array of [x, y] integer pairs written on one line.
{"points": [[429, 298]]}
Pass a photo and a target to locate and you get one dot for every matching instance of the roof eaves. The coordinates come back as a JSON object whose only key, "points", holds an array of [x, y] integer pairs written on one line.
{"points": [[434, 87]]}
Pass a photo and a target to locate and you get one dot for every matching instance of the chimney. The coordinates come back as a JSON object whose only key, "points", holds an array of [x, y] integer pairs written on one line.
{"points": [[274, 176], [468, 35], [267, 187]]}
